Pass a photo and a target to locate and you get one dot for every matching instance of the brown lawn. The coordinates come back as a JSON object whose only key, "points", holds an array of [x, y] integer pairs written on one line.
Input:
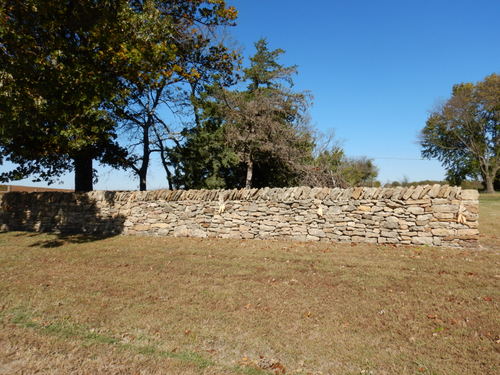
{"points": [[142, 305]]}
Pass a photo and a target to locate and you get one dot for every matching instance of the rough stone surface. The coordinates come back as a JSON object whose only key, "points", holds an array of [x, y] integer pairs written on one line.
{"points": [[422, 215]]}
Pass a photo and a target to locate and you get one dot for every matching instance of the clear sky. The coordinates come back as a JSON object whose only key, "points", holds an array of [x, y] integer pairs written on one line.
{"points": [[375, 69]]}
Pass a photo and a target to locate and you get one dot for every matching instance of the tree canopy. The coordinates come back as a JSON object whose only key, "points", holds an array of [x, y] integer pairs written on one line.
{"points": [[85, 81], [464, 132], [64, 64], [55, 83], [170, 77], [260, 136], [258, 132]]}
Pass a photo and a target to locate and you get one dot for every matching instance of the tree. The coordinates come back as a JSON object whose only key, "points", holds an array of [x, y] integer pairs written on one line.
{"points": [[358, 171], [255, 137], [261, 137], [464, 133], [64, 64], [54, 83], [261, 128], [204, 160], [181, 54], [325, 165], [266, 122]]}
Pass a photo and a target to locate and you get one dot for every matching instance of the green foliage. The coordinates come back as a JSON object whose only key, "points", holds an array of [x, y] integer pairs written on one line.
{"points": [[324, 169], [64, 65], [464, 133], [264, 69], [260, 136], [265, 124], [254, 135], [204, 161], [59, 68], [359, 172], [177, 56]]}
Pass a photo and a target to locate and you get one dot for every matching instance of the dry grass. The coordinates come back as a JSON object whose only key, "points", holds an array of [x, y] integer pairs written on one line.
{"points": [[489, 220], [130, 305]]}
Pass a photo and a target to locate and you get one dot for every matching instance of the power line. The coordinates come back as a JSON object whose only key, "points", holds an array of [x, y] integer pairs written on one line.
{"points": [[393, 158]]}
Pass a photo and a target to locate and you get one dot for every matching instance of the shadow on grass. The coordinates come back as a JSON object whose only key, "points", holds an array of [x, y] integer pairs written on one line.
{"points": [[72, 218], [63, 239]]}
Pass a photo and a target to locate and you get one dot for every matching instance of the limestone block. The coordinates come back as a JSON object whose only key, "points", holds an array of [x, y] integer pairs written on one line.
{"points": [[434, 191], [445, 208], [467, 232], [415, 210], [181, 231], [364, 208], [316, 232], [422, 222], [425, 191], [469, 194], [424, 217], [197, 233], [312, 238], [391, 234], [416, 193], [397, 193], [358, 239], [407, 194], [444, 216], [422, 241], [141, 227], [161, 225], [472, 224], [391, 222], [443, 232]]}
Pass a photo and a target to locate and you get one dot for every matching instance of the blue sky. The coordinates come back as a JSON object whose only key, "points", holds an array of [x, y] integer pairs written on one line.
{"points": [[375, 69]]}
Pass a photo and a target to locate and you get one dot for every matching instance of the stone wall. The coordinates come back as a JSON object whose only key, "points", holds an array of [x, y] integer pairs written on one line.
{"points": [[422, 215]]}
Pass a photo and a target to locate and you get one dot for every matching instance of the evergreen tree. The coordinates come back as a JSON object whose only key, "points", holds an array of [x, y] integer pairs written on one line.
{"points": [[254, 137], [204, 161], [266, 123]]}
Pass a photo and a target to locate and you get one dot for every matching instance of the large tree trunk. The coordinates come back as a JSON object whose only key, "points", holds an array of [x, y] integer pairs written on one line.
{"points": [[142, 179], [83, 172], [489, 174], [143, 171], [248, 181], [488, 181]]}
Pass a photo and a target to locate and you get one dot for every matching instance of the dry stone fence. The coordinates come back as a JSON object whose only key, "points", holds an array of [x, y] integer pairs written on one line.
{"points": [[437, 215]]}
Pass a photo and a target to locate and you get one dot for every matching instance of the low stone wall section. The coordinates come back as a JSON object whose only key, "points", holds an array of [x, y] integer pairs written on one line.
{"points": [[422, 215]]}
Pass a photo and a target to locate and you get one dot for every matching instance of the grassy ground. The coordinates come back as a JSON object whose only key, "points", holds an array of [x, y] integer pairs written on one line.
{"points": [[130, 305], [489, 220]]}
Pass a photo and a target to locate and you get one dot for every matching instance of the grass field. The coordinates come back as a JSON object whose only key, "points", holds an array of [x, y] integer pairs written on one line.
{"points": [[131, 305]]}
